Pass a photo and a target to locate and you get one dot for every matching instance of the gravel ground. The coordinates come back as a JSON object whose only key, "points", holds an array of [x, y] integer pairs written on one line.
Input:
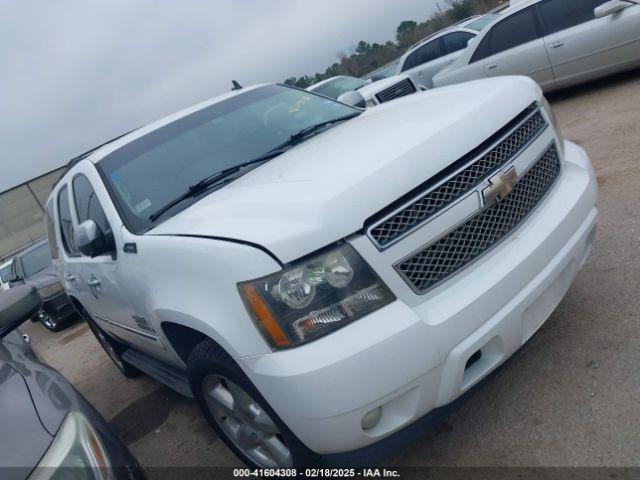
{"points": [[569, 399]]}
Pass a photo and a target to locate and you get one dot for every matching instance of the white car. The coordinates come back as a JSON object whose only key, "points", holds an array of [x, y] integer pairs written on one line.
{"points": [[323, 279], [434, 53], [373, 93], [558, 43], [5, 274]]}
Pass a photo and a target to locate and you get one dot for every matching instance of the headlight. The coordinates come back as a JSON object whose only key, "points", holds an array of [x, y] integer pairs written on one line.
{"points": [[554, 122], [76, 452], [46, 292], [370, 103], [314, 297]]}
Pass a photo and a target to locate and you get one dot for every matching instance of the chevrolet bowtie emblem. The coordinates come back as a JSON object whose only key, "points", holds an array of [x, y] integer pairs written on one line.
{"points": [[500, 186]]}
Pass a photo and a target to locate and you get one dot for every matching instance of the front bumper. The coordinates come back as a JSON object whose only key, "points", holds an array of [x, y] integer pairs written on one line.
{"points": [[410, 356]]}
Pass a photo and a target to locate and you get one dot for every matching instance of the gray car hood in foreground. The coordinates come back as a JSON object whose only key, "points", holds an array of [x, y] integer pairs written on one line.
{"points": [[23, 438], [326, 188]]}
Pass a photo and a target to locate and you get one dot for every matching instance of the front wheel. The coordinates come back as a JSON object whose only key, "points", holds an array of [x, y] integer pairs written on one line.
{"points": [[48, 322], [239, 414]]}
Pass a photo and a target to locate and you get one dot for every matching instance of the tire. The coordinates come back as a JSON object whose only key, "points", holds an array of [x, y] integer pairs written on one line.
{"points": [[112, 347], [209, 363]]}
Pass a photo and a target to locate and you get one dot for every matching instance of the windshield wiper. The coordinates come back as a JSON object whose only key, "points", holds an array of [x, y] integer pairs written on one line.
{"points": [[311, 129], [220, 176], [213, 180]]}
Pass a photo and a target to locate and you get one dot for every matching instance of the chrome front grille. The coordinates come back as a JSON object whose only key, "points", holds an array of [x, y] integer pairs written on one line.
{"points": [[436, 262], [400, 89], [417, 211]]}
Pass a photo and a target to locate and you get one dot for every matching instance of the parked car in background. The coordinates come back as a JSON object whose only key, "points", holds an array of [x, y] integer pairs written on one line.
{"points": [[373, 93], [558, 43], [5, 274], [322, 279], [32, 266], [385, 71], [49, 430], [434, 53]]}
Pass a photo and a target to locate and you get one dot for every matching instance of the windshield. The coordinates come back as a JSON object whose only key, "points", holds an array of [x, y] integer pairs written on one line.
{"points": [[479, 24], [384, 72], [36, 260], [148, 173], [5, 273], [336, 87]]}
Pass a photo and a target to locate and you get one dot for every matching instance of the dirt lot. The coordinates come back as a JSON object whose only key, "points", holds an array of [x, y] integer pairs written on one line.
{"points": [[569, 399]]}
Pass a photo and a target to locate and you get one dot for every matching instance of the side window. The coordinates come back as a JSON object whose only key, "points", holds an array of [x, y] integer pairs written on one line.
{"points": [[66, 224], [51, 230], [15, 268], [518, 29], [454, 42], [483, 50], [562, 14], [87, 205], [424, 54]]}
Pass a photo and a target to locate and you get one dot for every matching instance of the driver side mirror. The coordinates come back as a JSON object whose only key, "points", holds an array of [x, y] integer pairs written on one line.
{"points": [[17, 305], [90, 240], [610, 8], [353, 98]]}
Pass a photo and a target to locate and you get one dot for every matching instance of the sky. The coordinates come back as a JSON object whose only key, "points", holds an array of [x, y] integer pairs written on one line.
{"points": [[74, 74]]}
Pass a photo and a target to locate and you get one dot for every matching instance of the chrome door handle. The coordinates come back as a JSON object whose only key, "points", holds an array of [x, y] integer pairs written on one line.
{"points": [[492, 66], [70, 278], [557, 44], [94, 282]]}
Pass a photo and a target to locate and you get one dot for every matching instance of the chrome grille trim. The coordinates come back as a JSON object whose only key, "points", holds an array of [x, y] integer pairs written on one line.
{"points": [[404, 220], [400, 89], [431, 265]]}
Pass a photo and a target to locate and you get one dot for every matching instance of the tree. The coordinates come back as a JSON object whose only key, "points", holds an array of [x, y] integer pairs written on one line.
{"points": [[404, 30]]}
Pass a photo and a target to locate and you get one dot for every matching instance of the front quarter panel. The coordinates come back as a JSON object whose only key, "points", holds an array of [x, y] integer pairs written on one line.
{"points": [[192, 281]]}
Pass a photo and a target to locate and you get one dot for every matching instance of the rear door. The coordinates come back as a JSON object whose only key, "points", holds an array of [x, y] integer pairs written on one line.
{"points": [[425, 62], [516, 47], [581, 46], [453, 44]]}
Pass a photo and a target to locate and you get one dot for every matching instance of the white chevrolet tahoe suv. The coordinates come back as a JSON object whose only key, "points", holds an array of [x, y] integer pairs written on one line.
{"points": [[326, 281]]}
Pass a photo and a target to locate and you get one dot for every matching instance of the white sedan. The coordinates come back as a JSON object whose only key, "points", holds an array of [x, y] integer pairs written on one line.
{"points": [[373, 93], [434, 53], [558, 43]]}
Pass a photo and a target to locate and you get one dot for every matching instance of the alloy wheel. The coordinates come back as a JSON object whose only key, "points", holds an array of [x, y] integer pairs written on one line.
{"points": [[245, 422], [46, 320]]}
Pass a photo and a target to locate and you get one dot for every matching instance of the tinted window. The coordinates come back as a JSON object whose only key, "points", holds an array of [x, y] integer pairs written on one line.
{"points": [[426, 53], [483, 50], [454, 42], [35, 260], [150, 172], [518, 29], [338, 86], [5, 273], [561, 14], [66, 224], [87, 205], [51, 230]]}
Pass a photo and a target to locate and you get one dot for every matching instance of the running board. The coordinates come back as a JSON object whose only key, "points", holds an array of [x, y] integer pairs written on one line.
{"points": [[168, 375]]}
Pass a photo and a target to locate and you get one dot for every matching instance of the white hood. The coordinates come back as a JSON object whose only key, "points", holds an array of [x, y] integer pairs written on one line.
{"points": [[324, 189]]}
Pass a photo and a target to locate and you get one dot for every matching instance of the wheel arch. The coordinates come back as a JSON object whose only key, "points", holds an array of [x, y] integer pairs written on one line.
{"points": [[184, 339]]}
